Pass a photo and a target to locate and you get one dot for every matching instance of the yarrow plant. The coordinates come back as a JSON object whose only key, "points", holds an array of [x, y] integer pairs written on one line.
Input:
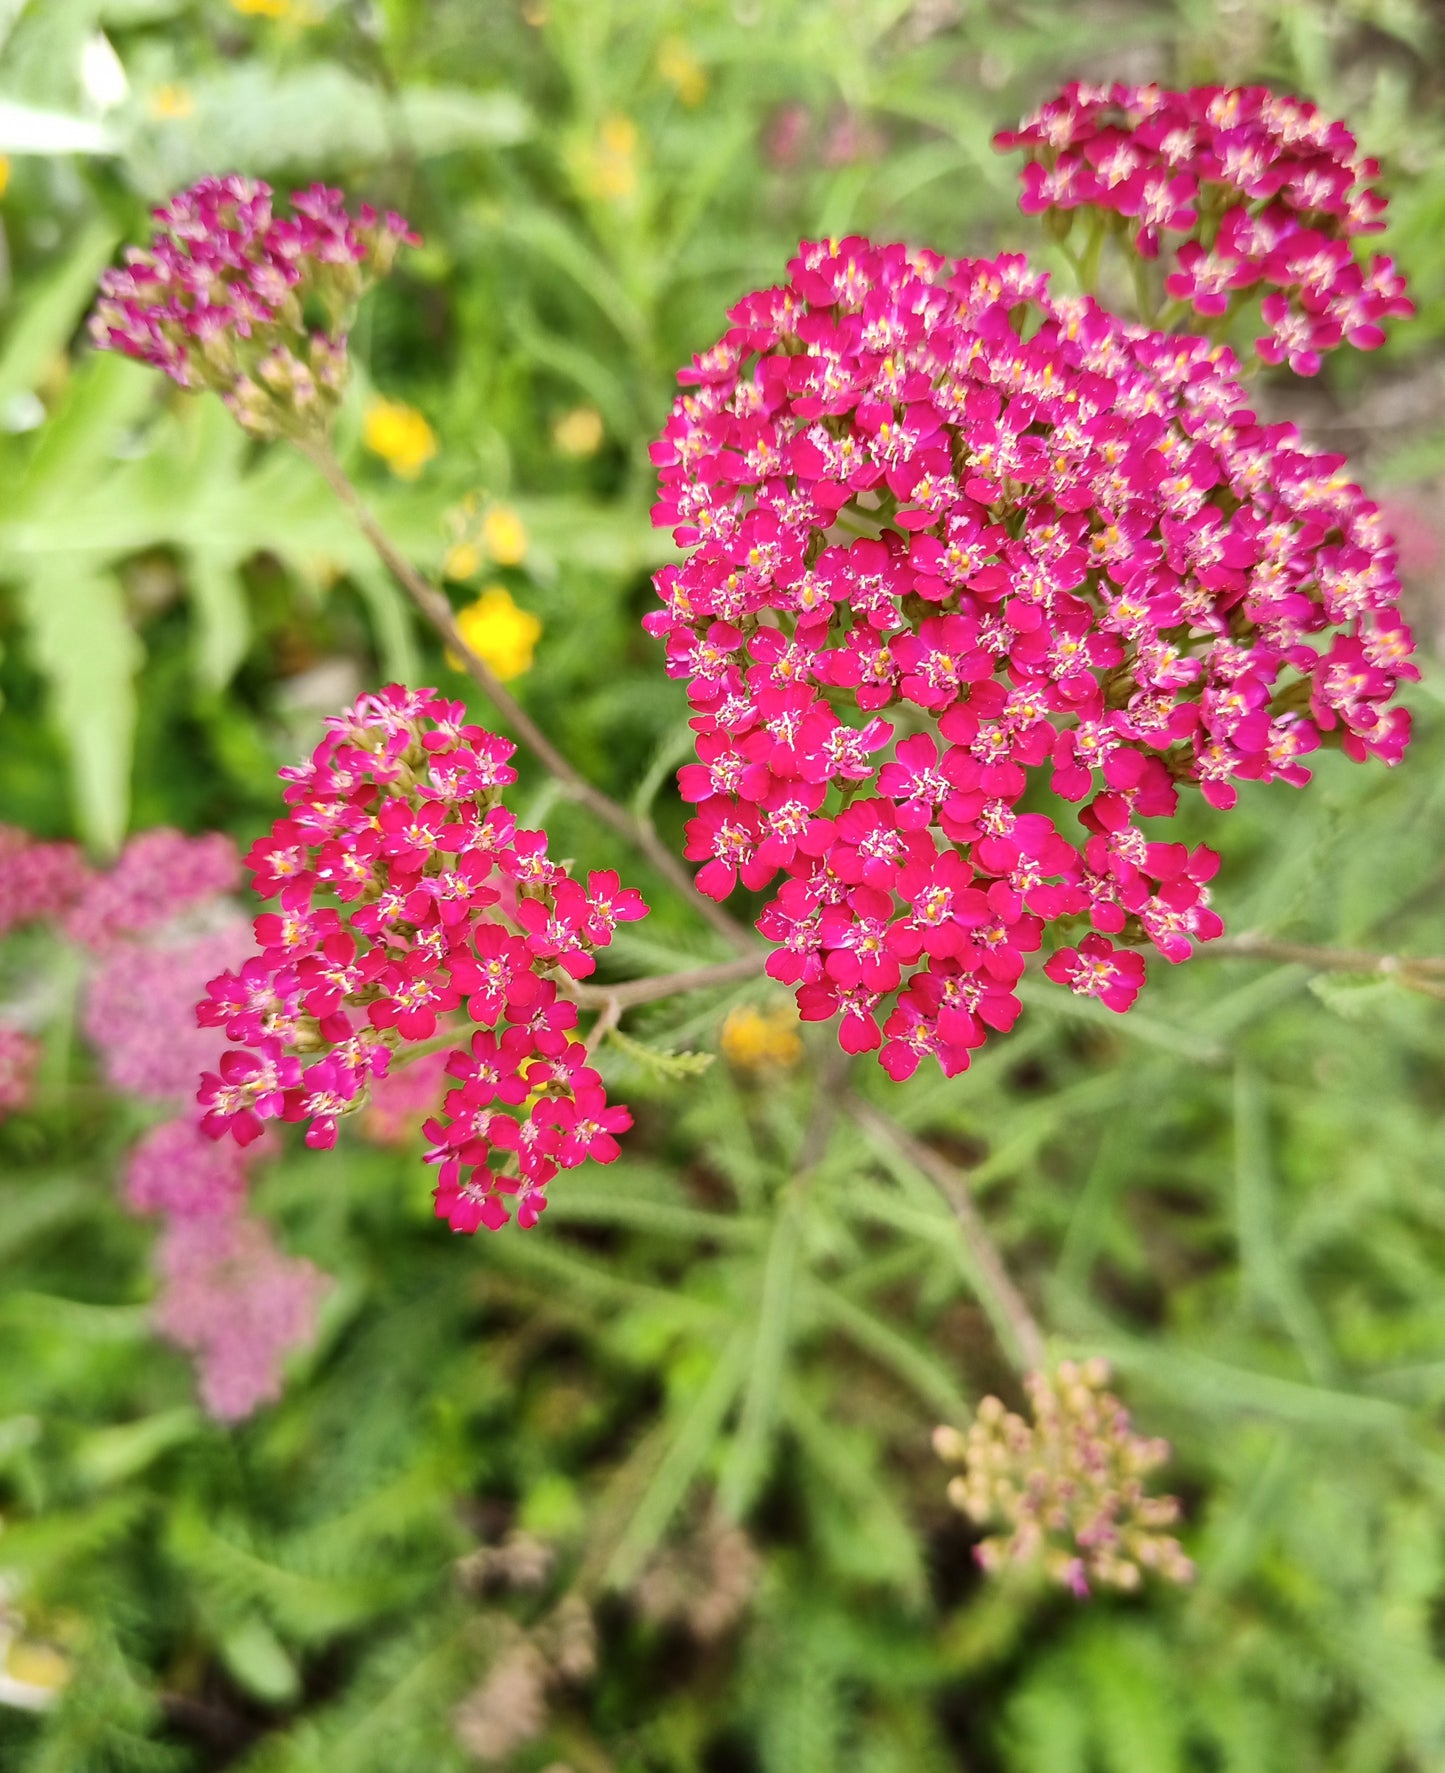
{"points": [[1064, 555], [406, 891], [224, 298], [979, 581], [1261, 193], [1068, 1487]]}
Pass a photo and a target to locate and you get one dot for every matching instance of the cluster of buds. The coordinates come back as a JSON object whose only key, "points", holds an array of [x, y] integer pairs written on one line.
{"points": [[232, 297], [407, 891], [1264, 193], [1063, 552], [1068, 1487]]}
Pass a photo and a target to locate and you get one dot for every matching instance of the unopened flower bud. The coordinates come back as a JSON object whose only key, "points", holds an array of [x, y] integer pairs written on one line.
{"points": [[1066, 1487]]}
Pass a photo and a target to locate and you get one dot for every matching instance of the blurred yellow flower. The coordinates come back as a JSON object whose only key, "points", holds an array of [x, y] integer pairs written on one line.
{"points": [[263, 8], [579, 432], [755, 1040], [504, 536], [4, 174], [462, 560], [499, 632], [610, 163], [400, 436], [170, 102], [682, 71]]}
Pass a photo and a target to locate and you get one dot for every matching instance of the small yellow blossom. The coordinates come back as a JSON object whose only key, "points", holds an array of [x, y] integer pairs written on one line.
{"points": [[579, 432], [682, 71], [504, 536], [263, 8], [462, 560], [168, 102], [609, 164], [755, 1040], [400, 436], [498, 632], [4, 174]]}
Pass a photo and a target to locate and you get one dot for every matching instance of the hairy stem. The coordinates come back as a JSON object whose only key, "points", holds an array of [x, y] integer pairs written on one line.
{"points": [[1420, 973], [434, 606], [1004, 1302], [635, 991]]}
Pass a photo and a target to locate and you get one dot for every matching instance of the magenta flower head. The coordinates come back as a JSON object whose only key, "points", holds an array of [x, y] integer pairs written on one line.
{"points": [[256, 306], [977, 582], [1262, 195], [407, 899]]}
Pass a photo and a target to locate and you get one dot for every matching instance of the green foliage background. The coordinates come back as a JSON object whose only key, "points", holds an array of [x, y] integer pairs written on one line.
{"points": [[1234, 1192]]}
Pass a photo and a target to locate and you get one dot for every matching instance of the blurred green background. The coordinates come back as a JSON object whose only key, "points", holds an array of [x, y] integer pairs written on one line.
{"points": [[650, 1488]]}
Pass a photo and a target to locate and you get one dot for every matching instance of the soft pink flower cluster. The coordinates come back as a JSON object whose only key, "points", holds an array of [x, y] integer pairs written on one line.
{"points": [[1266, 192], [236, 1304], [228, 1296], [140, 1006], [38, 881], [19, 1055], [406, 889], [1067, 556], [159, 875], [224, 297], [158, 925], [401, 1102]]}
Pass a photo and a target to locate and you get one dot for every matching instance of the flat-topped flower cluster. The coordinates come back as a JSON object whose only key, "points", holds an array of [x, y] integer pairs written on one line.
{"points": [[1074, 567], [1263, 192], [406, 891], [228, 294]]}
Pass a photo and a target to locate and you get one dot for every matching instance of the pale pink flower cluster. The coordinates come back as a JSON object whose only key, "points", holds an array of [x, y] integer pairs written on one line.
{"points": [[158, 925], [159, 875], [140, 1007], [38, 881], [236, 1304]]}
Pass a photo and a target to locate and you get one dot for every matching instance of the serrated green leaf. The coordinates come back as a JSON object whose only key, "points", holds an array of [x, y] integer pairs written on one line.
{"points": [[672, 1066], [1354, 996]]}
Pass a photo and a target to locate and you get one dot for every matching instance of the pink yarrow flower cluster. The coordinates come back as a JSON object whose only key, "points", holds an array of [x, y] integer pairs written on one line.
{"points": [[1066, 558], [237, 1304], [159, 876], [224, 297], [140, 1007], [1263, 194], [38, 881], [406, 891]]}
